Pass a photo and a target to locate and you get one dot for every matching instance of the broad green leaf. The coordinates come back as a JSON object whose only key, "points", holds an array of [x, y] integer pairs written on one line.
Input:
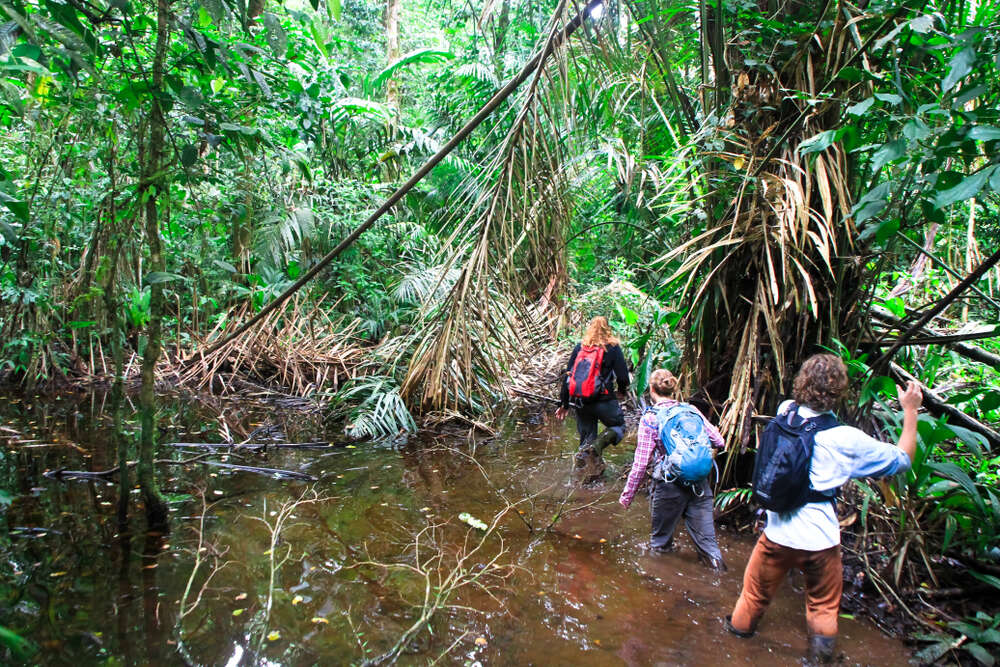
{"points": [[886, 230], [226, 266], [20, 647], [986, 578], [333, 9], [889, 97], [887, 153], [817, 142], [922, 24], [275, 34], [218, 84], [861, 107], [968, 96], [157, 277], [896, 305], [980, 653], [933, 652], [189, 155], [871, 204], [958, 68], [916, 129], [423, 56], [968, 187], [16, 206], [984, 133]]}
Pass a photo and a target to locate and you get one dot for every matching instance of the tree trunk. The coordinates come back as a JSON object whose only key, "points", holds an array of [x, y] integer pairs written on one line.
{"points": [[155, 187], [116, 323], [392, 57]]}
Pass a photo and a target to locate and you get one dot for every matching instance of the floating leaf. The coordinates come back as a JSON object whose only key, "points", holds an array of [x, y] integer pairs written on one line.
{"points": [[238, 612], [472, 521], [273, 636]]}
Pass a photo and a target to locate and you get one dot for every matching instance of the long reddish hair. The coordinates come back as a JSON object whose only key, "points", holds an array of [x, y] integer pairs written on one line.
{"points": [[599, 333]]}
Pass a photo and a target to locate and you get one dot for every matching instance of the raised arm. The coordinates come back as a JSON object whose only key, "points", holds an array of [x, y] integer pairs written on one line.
{"points": [[910, 399]]}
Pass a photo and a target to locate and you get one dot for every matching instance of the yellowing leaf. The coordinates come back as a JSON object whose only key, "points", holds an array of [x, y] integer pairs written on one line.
{"points": [[320, 619], [273, 636], [297, 599], [739, 162], [237, 612], [480, 641], [58, 574]]}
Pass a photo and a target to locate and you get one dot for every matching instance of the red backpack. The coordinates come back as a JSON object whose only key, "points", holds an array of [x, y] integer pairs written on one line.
{"points": [[585, 379]]}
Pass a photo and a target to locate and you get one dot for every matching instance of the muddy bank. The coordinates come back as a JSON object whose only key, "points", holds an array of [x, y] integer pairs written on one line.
{"points": [[569, 582]]}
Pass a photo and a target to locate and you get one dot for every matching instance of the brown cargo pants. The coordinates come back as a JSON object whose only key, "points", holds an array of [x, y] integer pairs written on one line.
{"points": [[768, 565]]}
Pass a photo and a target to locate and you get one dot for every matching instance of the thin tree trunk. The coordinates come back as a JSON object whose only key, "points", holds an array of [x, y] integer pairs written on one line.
{"points": [[392, 57], [154, 188], [112, 302], [916, 272]]}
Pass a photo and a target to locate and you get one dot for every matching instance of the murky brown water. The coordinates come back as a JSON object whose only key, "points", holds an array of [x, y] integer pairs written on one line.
{"points": [[581, 591]]}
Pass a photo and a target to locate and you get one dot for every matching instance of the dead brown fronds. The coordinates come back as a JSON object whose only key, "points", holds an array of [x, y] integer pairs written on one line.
{"points": [[511, 218], [297, 351], [776, 276]]}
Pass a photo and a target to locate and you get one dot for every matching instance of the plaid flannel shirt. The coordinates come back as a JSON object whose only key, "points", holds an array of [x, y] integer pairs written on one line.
{"points": [[648, 442]]}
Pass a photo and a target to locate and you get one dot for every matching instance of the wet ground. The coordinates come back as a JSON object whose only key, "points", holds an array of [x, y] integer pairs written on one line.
{"points": [[384, 536]]}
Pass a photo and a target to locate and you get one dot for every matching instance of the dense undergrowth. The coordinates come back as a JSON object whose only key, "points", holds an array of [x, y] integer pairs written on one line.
{"points": [[735, 184]]}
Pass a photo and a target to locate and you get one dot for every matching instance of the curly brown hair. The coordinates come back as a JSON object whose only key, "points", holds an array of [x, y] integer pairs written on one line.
{"points": [[820, 382]]}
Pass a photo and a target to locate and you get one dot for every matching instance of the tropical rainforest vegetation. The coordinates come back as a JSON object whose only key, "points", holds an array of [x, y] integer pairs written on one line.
{"points": [[736, 184]]}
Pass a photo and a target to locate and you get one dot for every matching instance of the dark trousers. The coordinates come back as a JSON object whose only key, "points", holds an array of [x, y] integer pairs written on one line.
{"points": [[668, 501], [608, 412]]}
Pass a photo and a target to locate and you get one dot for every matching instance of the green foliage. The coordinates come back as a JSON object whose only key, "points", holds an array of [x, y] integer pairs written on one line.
{"points": [[979, 638]]}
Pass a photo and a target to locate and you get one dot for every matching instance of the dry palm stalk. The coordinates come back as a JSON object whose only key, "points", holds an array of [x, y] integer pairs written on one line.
{"points": [[769, 281], [282, 354]]}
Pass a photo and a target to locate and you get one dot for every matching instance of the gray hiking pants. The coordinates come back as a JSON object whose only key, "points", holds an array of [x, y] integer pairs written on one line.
{"points": [[668, 501]]}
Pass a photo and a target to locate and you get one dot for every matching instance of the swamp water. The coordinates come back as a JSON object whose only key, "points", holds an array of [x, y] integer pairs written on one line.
{"points": [[578, 591]]}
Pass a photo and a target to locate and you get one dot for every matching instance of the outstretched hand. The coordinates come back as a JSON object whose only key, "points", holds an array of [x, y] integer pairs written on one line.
{"points": [[912, 397], [561, 413]]}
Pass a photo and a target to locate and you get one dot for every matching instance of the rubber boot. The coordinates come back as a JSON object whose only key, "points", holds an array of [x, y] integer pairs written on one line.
{"points": [[821, 649], [604, 441], [716, 564], [739, 633]]}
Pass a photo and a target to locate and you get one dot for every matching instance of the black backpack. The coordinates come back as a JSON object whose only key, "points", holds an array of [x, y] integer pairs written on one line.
{"points": [[784, 453]]}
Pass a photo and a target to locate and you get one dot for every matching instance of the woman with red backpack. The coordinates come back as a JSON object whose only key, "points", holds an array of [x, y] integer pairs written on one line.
{"points": [[678, 439], [596, 364]]}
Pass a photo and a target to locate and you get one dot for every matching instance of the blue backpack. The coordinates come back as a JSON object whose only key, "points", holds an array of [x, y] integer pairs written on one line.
{"points": [[689, 450]]}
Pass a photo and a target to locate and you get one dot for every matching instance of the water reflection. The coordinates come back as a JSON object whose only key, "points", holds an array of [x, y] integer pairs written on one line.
{"points": [[582, 592]]}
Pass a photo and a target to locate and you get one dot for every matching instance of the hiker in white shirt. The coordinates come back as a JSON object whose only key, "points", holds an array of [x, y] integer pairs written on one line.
{"points": [[808, 538]]}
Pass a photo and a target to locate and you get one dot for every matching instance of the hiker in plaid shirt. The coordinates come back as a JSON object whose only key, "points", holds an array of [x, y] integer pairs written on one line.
{"points": [[668, 501]]}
